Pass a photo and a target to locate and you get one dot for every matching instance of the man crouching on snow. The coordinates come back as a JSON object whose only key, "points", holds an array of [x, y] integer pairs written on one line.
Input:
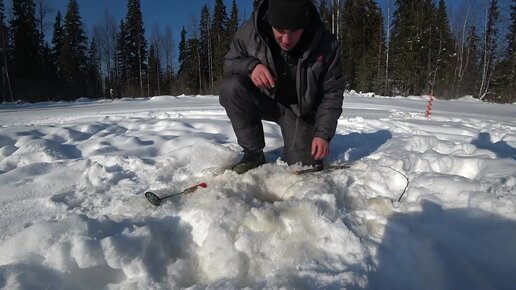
{"points": [[283, 66]]}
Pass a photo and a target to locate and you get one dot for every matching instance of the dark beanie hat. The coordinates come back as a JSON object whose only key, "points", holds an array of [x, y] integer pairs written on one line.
{"points": [[289, 14]]}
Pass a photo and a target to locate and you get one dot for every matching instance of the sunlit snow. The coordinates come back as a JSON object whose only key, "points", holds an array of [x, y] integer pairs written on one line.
{"points": [[73, 174]]}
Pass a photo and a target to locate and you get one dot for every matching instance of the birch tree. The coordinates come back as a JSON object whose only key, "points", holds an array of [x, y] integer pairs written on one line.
{"points": [[168, 53], [462, 36], [157, 43], [488, 58], [42, 12], [105, 34]]}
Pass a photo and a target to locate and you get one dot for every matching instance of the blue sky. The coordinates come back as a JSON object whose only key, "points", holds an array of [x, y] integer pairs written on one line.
{"points": [[179, 13], [174, 13]]}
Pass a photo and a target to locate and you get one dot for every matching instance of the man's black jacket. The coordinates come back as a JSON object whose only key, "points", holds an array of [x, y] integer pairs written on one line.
{"points": [[319, 80]]}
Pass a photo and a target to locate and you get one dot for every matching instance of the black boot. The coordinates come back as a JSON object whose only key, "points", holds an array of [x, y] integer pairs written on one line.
{"points": [[249, 161]]}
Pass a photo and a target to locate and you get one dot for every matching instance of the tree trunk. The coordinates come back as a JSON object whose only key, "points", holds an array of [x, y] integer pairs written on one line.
{"points": [[140, 64], [461, 65], [6, 68], [486, 62], [387, 50]]}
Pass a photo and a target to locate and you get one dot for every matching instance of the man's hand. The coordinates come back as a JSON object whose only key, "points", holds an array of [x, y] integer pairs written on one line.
{"points": [[320, 148], [262, 78]]}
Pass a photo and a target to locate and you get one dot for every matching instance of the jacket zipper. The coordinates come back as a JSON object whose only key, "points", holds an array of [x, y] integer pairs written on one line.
{"points": [[285, 65]]}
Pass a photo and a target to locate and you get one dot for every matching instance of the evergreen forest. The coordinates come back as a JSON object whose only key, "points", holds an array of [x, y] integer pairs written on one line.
{"points": [[414, 48]]}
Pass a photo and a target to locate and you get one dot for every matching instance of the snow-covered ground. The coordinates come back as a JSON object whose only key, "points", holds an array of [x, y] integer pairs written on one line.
{"points": [[73, 215]]}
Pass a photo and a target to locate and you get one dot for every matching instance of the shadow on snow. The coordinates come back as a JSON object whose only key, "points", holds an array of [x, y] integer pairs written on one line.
{"points": [[358, 145], [446, 249], [500, 148]]}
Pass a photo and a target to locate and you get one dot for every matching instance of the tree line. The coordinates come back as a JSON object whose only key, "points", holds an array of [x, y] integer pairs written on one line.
{"points": [[415, 53], [419, 53]]}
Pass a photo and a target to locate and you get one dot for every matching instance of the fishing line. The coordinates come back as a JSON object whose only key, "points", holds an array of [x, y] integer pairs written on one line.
{"points": [[404, 176], [321, 176], [326, 174]]}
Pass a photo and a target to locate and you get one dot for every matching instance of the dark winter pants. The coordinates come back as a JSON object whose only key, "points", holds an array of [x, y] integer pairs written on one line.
{"points": [[246, 107]]}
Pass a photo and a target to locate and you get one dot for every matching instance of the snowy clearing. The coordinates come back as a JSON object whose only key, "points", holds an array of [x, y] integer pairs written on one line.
{"points": [[72, 177]]}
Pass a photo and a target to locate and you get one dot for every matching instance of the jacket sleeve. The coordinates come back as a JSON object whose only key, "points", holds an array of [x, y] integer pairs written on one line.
{"points": [[330, 108], [237, 60]]}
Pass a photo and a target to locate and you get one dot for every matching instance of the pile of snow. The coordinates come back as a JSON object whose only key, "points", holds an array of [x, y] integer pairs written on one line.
{"points": [[468, 98], [428, 203], [83, 99]]}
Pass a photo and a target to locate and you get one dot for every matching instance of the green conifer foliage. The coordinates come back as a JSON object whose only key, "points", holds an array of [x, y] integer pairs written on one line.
{"points": [[363, 47], [136, 49], [221, 40], [73, 59], [25, 42]]}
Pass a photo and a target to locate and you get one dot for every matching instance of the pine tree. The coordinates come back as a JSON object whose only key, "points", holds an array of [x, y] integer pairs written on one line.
{"points": [[233, 21], [94, 80], [362, 28], [73, 59], [57, 38], [49, 72], [55, 55], [168, 47], [191, 74], [232, 25], [428, 53], [206, 51], [505, 82], [2, 13], [511, 57], [120, 73], [189, 65], [489, 57], [154, 71], [6, 92], [403, 44], [220, 38], [182, 52], [3, 87], [136, 47], [411, 46], [27, 51], [468, 82], [151, 67], [445, 58], [47, 66]]}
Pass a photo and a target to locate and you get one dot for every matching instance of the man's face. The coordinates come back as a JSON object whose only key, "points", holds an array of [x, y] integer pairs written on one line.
{"points": [[287, 39]]}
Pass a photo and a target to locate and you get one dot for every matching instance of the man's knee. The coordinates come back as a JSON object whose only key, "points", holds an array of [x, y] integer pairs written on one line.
{"points": [[232, 86]]}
